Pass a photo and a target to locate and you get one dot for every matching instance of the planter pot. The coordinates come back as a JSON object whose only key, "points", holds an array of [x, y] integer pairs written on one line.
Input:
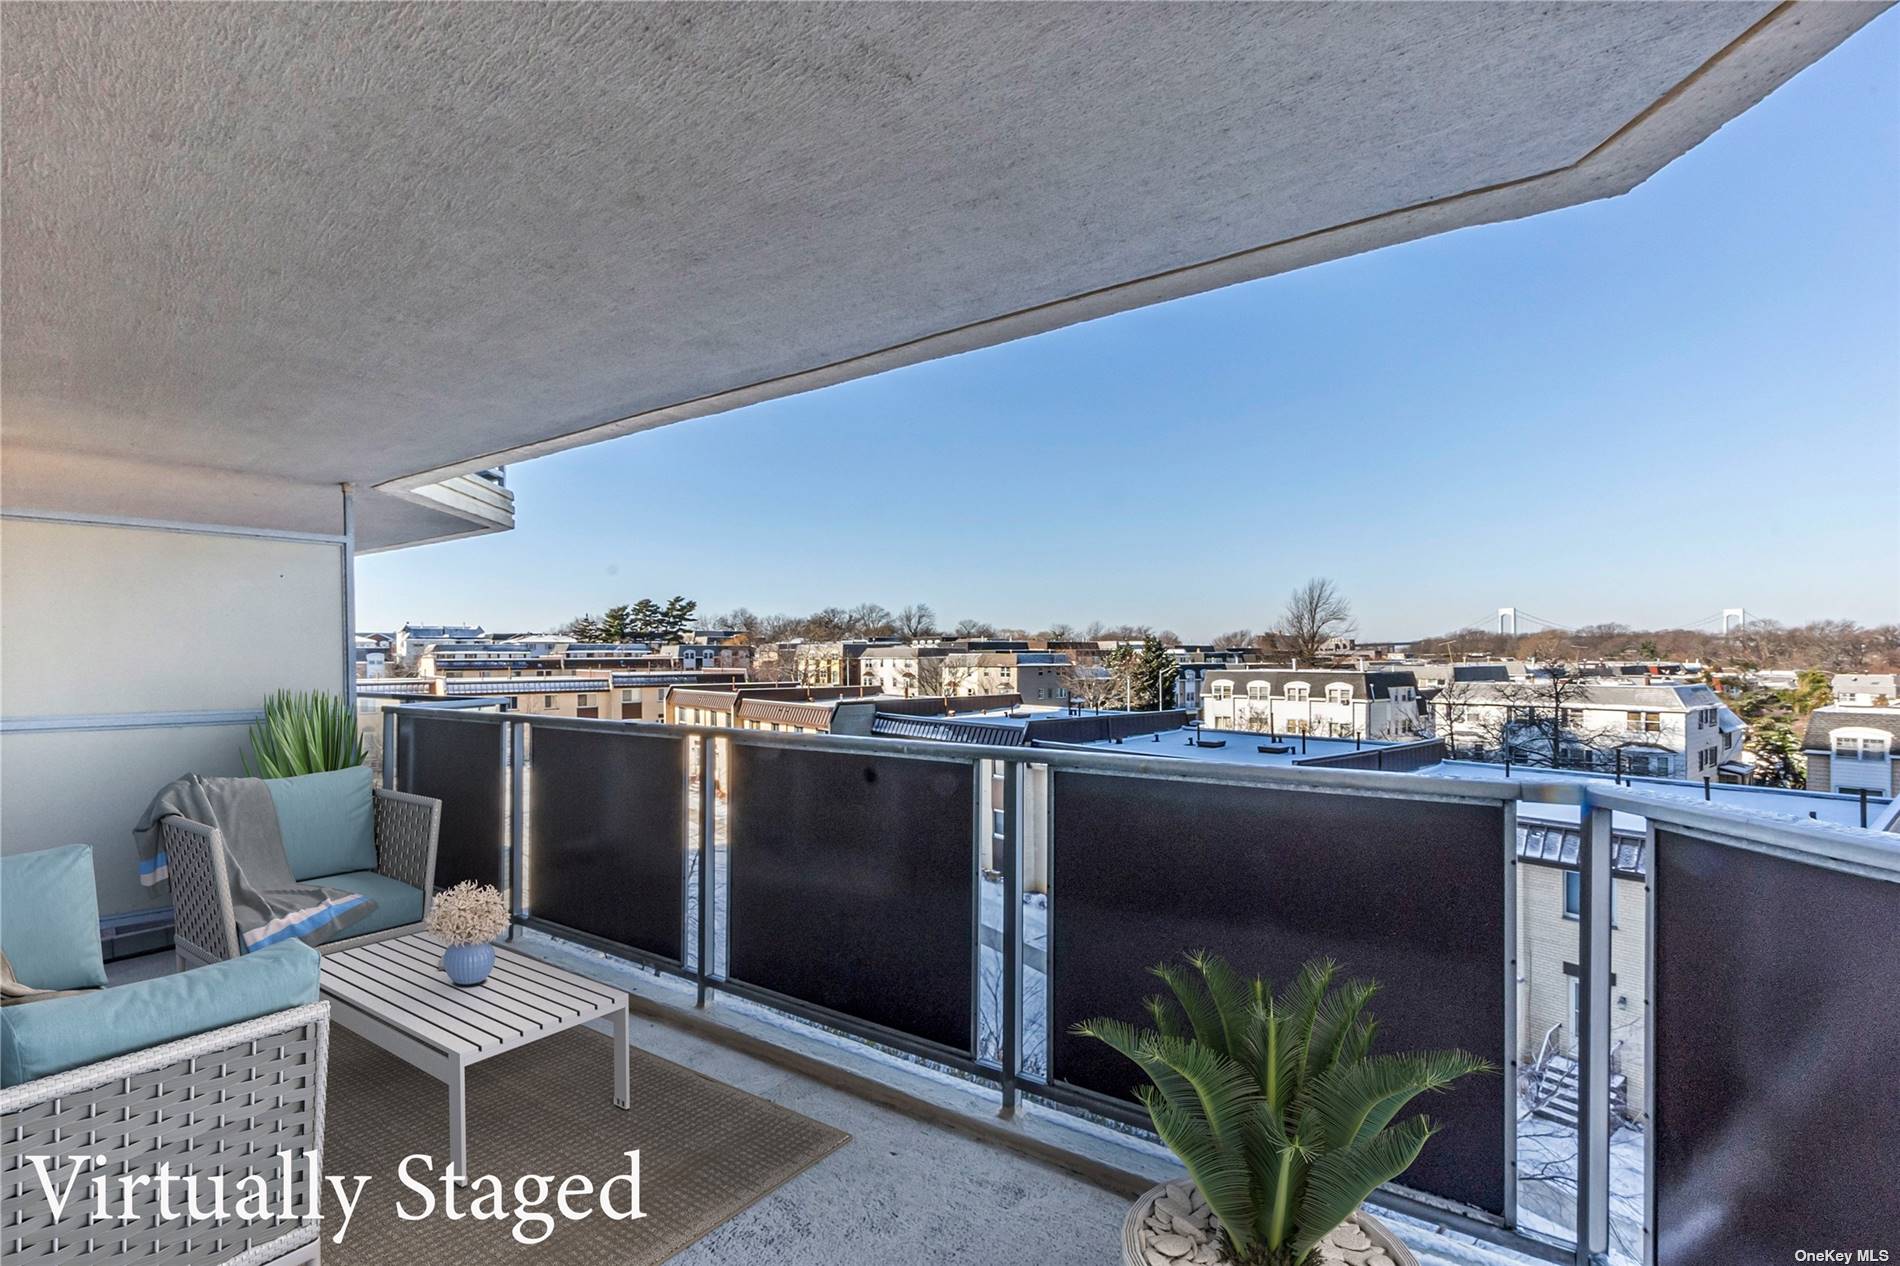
{"points": [[468, 964], [1360, 1241]]}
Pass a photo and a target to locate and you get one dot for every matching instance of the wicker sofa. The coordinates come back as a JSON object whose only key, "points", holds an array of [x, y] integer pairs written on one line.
{"points": [[221, 1103], [406, 828]]}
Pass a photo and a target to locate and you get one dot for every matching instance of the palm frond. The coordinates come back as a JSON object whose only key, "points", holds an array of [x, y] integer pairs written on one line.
{"points": [[1224, 1093], [1355, 1101], [1199, 1009], [1301, 1003], [1273, 1102], [1232, 998], [1338, 1182], [1221, 1174], [1334, 1020]]}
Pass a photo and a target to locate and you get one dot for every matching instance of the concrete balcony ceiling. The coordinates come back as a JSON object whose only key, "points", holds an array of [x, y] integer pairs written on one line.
{"points": [[254, 251]]}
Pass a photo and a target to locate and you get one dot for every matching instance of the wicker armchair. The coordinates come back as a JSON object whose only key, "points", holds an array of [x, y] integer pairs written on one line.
{"points": [[219, 1105], [205, 929]]}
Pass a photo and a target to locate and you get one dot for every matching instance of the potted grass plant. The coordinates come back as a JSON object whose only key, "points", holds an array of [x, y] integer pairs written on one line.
{"points": [[1282, 1115], [303, 733]]}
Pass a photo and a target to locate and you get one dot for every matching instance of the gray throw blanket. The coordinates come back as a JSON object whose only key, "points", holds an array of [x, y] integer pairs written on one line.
{"points": [[269, 902]]}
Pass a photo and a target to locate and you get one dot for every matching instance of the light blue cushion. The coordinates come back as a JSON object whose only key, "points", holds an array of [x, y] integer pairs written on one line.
{"points": [[328, 821], [396, 902], [38, 1039], [49, 918]]}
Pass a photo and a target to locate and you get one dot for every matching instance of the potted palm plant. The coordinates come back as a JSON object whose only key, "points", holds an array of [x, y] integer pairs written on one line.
{"points": [[1281, 1114]]}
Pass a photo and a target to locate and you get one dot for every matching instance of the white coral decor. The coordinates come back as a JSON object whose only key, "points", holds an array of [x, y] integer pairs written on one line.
{"points": [[469, 914]]}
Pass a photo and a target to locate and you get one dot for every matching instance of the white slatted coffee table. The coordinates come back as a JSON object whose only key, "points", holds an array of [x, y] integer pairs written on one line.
{"points": [[394, 994]]}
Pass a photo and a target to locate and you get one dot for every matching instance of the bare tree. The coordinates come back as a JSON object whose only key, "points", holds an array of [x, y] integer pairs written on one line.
{"points": [[974, 628], [1449, 709], [1315, 614], [868, 619], [916, 620], [1538, 724], [1234, 640], [1091, 685]]}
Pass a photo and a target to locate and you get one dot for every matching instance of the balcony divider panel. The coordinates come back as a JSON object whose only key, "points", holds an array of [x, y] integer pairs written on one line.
{"points": [[606, 834], [851, 888], [1776, 1031], [459, 762], [1404, 892]]}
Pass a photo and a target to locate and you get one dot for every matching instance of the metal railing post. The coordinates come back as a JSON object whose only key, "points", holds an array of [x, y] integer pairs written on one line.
{"points": [[389, 749], [1010, 862], [1593, 1043], [515, 733], [708, 854]]}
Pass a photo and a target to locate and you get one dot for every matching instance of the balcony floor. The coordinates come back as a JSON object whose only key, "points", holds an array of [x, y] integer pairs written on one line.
{"points": [[903, 1189]]}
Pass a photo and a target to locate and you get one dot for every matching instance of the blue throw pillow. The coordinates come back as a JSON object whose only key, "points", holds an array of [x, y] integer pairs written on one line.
{"points": [[49, 918], [328, 822], [38, 1039]]}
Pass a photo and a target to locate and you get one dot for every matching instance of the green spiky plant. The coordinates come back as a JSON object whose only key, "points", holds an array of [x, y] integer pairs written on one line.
{"points": [[303, 734], [1275, 1104]]}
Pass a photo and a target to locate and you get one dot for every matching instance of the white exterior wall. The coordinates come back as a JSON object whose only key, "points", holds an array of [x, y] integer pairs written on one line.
{"points": [[1370, 718], [118, 672]]}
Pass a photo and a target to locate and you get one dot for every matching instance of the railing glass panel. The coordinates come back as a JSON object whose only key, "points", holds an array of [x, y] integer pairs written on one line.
{"points": [[461, 761], [1404, 892], [852, 887], [606, 836], [1776, 1120]]}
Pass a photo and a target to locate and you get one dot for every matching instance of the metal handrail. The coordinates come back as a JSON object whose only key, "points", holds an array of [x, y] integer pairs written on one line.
{"points": [[1827, 844], [1809, 842]]}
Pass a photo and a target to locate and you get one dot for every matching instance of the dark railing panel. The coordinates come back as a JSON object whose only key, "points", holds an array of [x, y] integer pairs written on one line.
{"points": [[1404, 892], [852, 887], [1776, 1018], [459, 763], [606, 831]]}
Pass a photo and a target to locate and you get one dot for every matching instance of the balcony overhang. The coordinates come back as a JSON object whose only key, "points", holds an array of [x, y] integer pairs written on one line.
{"points": [[254, 252]]}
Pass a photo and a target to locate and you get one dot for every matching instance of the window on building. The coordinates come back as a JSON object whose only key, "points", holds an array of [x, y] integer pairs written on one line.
{"points": [[581, 702], [1258, 690], [1848, 747], [626, 696], [1339, 694], [1297, 692], [1643, 722], [1222, 689], [1573, 896], [547, 701]]}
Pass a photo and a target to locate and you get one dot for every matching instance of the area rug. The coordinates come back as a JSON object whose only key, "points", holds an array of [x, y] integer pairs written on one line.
{"points": [[707, 1152]]}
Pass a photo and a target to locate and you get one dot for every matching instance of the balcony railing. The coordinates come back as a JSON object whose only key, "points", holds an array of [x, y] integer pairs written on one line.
{"points": [[967, 905]]}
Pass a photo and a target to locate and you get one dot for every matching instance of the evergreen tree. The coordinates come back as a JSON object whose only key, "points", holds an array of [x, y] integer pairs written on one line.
{"points": [[1778, 760], [646, 620], [618, 624], [677, 618], [1138, 671], [583, 629]]}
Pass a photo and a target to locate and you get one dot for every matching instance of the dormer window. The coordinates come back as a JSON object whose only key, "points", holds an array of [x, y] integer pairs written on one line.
{"points": [[1339, 694], [1298, 692]]}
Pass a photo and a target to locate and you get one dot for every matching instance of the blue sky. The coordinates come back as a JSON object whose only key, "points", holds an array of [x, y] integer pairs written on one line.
{"points": [[1641, 410]]}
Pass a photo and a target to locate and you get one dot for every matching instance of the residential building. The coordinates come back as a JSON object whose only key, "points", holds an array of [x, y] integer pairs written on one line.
{"points": [[1866, 690], [411, 638], [1852, 748], [963, 669], [1661, 731], [824, 663], [1329, 702]]}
